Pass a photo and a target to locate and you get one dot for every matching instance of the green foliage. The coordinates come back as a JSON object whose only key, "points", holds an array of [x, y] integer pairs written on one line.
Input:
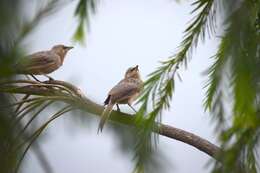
{"points": [[232, 89], [235, 72], [27, 111], [215, 94], [239, 53], [159, 86], [10, 34], [82, 12], [13, 29], [7, 160]]}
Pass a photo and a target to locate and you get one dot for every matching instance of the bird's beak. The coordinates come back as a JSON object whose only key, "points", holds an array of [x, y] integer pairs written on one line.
{"points": [[69, 47]]}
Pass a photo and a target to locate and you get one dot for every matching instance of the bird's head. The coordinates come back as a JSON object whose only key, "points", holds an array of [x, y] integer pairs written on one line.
{"points": [[61, 50], [132, 72]]}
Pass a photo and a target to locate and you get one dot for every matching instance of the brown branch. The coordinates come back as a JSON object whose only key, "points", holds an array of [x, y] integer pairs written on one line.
{"points": [[191, 139], [81, 101]]}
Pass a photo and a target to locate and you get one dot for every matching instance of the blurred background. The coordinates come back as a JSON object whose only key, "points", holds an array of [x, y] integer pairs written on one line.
{"points": [[121, 34]]}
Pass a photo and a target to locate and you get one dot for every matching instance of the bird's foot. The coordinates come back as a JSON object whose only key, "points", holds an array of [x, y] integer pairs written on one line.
{"points": [[132, 107], [50, 78], [117, 108], [35, 78]]}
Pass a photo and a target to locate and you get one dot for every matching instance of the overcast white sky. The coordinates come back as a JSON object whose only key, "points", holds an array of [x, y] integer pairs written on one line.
{"points": [[124, 33]]}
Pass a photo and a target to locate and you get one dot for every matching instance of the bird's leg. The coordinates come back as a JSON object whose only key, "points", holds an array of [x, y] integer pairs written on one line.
{"points": [[132, 107], [27, 77], [118, 109], [21, 104], [35, 78], [50, 78]]}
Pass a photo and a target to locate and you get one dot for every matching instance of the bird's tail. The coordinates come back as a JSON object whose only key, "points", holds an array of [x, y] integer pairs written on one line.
{"points": [[105, 115]]}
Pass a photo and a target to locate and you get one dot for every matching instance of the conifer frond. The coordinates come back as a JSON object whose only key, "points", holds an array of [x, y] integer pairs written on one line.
{"points": [[239, 52], [216, 93], [32, 107], [161, 83], [83, 11]]}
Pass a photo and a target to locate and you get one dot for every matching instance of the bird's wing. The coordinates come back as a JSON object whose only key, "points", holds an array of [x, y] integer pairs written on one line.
{"points": [[123, 91], [39, 60]]}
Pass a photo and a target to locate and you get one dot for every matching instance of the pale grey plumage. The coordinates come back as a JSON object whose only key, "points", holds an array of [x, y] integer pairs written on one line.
{"points": [[40, 63], [43, 62], [125, 92]]}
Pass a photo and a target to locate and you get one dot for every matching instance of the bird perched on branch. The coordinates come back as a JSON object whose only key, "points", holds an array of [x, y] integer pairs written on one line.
{"points": [[43, 62], [125, 92]]}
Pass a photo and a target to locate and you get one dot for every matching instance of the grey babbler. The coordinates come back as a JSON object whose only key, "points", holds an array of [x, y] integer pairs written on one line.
{"points": [[43, 62], [125, 92]]}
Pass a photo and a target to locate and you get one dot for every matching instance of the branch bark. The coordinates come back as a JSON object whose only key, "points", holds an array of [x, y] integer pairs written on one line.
{"points": [[119, 117]]}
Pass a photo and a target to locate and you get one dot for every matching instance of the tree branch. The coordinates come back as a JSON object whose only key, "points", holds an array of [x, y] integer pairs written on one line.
{"points": [[81, 101]]}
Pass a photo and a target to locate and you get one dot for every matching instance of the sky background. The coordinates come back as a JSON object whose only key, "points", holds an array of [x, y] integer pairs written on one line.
{"points": [[123, 33]]}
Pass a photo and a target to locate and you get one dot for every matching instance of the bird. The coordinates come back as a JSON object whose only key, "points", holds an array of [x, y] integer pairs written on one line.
{"points": [[43, 62], [125, 92]]}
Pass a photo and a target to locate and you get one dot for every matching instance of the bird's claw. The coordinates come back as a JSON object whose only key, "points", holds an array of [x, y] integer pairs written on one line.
{"points": [[50, 79], [117, 108]]}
